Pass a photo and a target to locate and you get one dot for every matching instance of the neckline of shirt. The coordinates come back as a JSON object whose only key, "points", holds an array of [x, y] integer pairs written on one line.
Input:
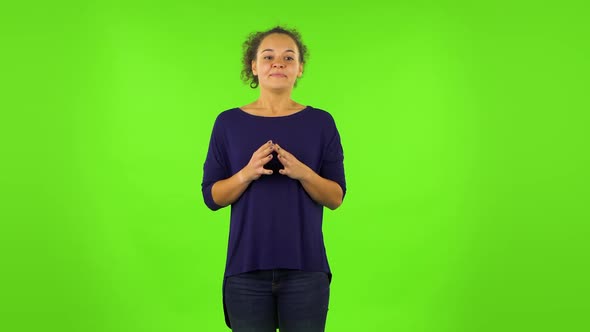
{"points": [[273, 117]]}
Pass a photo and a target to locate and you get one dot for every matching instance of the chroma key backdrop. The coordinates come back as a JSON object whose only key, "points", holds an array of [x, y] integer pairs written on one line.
{"points": [[465, 135]]}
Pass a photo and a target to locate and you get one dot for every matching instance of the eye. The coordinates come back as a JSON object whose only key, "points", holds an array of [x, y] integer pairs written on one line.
{"points": [[267, 57], [289, 58]]}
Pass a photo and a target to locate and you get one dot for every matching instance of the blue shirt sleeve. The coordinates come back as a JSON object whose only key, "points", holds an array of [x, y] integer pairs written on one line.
{"points": [[215, 167], [333, 159]]}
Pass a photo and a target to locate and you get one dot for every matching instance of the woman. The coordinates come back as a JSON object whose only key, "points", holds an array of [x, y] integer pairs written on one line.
{"points": [[277, 163]]}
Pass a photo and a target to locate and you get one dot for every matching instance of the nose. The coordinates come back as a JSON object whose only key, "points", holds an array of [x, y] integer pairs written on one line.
{"points": [[278, 64]]}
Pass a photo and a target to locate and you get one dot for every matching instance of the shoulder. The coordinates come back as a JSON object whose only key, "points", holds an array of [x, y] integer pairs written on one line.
{"points": [[226, 120], [321, 116], [319, 113], [229, 114], [228, 117]]}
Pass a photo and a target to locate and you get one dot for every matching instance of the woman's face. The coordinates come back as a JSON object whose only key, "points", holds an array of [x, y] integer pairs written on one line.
{"points": [[277, 62]]}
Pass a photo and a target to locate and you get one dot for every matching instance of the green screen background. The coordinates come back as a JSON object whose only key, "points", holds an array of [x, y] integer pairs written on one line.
{"points": [[465, 132]]}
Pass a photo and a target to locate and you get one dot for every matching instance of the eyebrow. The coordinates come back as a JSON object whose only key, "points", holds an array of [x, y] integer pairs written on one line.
{"points": [[270, 49]]}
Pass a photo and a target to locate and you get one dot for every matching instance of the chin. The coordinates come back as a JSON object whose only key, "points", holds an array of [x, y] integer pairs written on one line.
{"points": [[278, 87]]}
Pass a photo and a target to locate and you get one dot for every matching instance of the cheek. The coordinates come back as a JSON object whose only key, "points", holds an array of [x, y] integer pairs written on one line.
{"points": [[262, 66]]}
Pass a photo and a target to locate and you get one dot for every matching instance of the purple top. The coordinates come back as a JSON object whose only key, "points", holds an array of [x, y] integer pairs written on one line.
{"points": [[275, 223]]}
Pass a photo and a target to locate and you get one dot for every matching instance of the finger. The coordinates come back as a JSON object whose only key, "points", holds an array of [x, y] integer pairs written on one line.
{"points": [[264, 153], [264, 146], [284, 158], [282, 171], [265, 160], [282, 152], [263, 171]]}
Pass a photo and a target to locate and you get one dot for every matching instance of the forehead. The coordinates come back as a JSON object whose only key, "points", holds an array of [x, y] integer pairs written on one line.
{"points": [[278, 42]]}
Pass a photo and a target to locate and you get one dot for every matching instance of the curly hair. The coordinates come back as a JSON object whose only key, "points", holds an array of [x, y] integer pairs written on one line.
{"points": [[251, 45]]}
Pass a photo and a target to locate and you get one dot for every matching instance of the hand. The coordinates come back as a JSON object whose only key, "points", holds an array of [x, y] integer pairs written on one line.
{"points": [[293, 167], [255, 167]]}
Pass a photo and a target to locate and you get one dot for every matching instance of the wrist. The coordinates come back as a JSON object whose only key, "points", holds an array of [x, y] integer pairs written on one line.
{"points": [[242, 178], [307, 175]]}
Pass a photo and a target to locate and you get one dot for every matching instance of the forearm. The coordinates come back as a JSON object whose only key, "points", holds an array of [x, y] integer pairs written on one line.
{"points": [[325, 192], [227, 191]]}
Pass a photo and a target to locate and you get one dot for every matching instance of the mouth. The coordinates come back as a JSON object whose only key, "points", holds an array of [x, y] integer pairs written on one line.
{"points": [[278, 75]]}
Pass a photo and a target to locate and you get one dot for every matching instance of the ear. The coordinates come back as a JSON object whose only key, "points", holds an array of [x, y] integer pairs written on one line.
{"points": [[254, 69], [300, 70]]}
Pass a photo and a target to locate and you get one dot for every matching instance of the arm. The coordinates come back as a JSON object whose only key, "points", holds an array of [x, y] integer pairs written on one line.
{"points": [[325, 192], [227, 191]]}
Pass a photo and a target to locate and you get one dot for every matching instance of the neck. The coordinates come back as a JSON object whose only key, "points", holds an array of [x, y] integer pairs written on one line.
{"points": [[275, 102]]}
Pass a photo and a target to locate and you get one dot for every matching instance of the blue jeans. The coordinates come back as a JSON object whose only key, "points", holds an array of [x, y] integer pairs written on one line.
{"points": [[292, 300]]}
